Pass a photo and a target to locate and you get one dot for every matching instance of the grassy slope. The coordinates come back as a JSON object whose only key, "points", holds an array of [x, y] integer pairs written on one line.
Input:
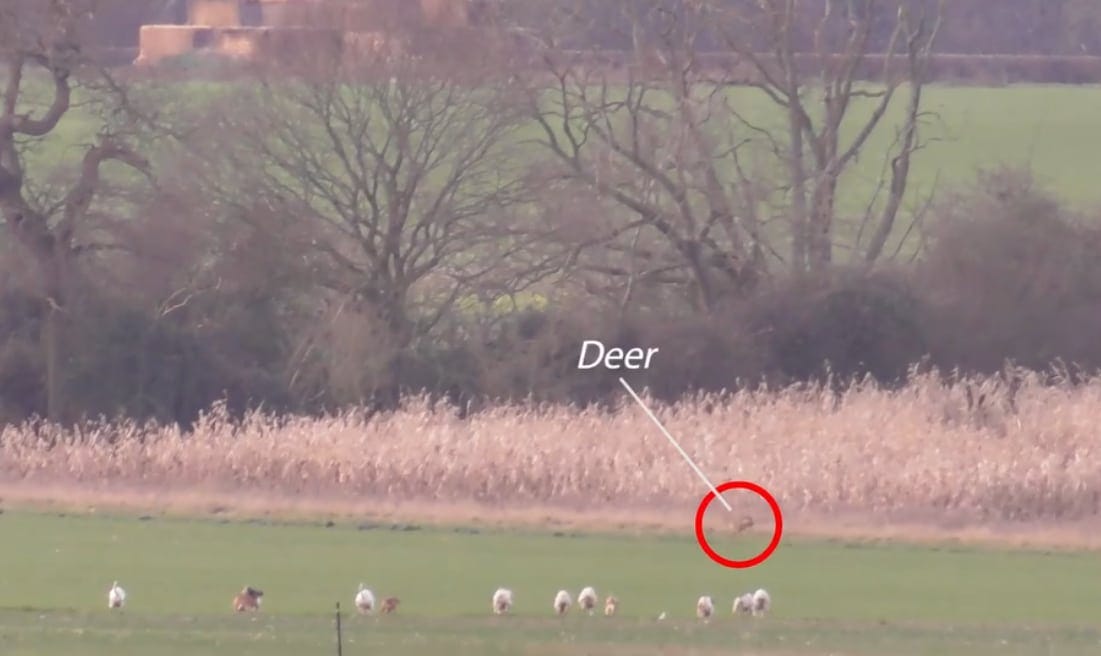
{"points": [[181, 575], [1054, 130]]}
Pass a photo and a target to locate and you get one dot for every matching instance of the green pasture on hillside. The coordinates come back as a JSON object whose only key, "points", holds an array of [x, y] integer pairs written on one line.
{"points": [[1053, 130], [829, 598]]}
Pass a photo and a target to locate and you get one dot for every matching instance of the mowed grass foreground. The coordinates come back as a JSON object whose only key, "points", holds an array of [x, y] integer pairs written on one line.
{"points": [[830, 598]]}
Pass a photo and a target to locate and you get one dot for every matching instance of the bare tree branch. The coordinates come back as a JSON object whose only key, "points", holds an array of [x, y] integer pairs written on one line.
{"points": [[45, 211], [397, 179], [817, 152], [658, 146]]}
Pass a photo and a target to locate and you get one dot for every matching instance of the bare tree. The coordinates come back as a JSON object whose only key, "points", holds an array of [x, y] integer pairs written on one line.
{"points": [[655, 144], [822, 66], [671, 135], [396, 182], [46, 67]]}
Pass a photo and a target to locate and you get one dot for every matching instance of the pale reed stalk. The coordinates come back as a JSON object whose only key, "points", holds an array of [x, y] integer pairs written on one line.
{"points": [[924, 448]]}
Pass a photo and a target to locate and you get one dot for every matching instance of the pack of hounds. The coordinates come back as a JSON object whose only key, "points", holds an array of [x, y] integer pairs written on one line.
{"points": [[755, 603], [249, 598]]}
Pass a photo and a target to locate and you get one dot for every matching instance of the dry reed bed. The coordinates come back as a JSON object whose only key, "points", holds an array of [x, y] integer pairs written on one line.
{"points": [[1029, 453]]}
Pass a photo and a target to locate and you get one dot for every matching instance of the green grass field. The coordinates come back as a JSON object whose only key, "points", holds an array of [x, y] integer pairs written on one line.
{"points": [[829, 598], [1054, 131]]}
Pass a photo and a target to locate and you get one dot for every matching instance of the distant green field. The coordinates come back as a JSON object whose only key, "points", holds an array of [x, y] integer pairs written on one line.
{"points": [[1056, 130], [830, 598]]}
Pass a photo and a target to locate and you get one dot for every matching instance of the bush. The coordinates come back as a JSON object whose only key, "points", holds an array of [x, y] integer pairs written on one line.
{"points": [[849, 324], [1010, 274]]}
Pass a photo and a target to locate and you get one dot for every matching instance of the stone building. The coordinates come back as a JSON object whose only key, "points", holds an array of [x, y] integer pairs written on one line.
{"points": [[254, 28]]}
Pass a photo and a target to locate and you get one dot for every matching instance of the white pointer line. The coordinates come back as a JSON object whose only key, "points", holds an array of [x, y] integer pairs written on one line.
{"points": [[691, 464]]}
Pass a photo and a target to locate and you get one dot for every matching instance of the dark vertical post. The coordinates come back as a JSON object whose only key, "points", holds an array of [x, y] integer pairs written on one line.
{"points": [[339, 637]]}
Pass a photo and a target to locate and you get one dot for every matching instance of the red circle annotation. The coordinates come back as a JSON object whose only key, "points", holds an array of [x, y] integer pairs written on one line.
{"points": [[776, 534]]}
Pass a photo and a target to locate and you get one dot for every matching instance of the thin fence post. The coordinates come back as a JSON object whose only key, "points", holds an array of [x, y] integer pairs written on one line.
{"points": [[339, 636]]}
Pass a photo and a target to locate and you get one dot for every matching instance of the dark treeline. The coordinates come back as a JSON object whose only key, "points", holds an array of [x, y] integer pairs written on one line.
{"points": [[1021, 27], [1007, 274], [345, 234]]}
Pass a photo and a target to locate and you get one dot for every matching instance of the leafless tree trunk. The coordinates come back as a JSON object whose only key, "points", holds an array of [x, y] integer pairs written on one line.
{"points": [[650, 136], [42, 41], [817, 69], [396, 182]]}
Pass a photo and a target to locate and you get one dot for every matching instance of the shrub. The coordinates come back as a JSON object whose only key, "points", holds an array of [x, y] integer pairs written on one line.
{"points": [[1010, 274], [848, 324]]}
